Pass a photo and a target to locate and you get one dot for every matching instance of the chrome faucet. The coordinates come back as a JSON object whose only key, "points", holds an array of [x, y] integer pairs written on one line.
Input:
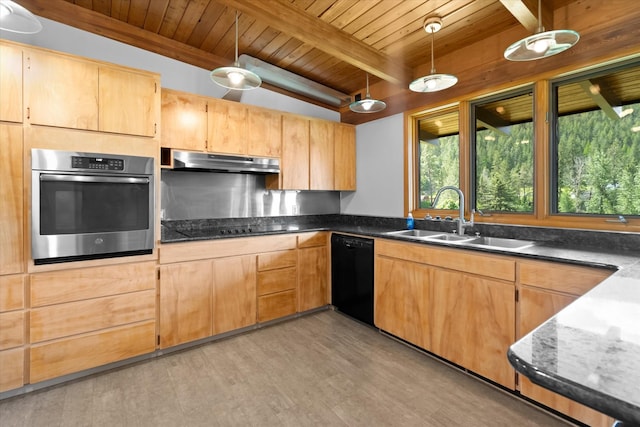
{"points": [[461, 221]]}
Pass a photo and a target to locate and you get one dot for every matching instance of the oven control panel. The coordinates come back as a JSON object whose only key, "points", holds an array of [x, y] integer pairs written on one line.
{"points": [[100, 163]]}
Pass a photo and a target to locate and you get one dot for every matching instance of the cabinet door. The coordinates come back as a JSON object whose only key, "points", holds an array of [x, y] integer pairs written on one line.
{"points": [[234, 293], [402, 300], [264, 134], [11, 195], [294, 166], [10, 83], [11, 369], [320, 155], [312, 277], [184, 121], [536, 306], [345, 158], [128, 102], [185, 302], [61, 91], [227, 127], [490, 328]]}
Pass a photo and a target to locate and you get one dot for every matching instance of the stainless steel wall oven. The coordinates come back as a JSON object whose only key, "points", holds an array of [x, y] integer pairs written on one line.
{"points": [[89, 205]]}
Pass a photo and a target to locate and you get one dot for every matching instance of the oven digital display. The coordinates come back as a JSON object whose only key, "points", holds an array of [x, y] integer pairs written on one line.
{"points": [[101, 163]]}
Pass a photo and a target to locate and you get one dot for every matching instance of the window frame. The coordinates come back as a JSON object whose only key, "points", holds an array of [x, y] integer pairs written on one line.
{"points": [[542, 215]]}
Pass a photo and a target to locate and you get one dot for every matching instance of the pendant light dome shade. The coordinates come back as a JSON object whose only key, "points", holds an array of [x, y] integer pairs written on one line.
{"points": [[367, 105], [17, 19], [434, 81], [235, 77], [542, 44]]}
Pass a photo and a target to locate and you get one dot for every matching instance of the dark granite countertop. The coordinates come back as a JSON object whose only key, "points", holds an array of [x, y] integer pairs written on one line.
{"points": [[588, 352]]}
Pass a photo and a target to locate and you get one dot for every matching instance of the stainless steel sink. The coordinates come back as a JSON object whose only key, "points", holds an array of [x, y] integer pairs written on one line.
{"points": [[414, 233], [498, 242], [450, 237]]}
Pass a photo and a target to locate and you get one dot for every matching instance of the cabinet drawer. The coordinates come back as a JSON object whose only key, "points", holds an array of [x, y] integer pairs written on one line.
{"points": [[273, 260], [571, 279], [276, 305], [11, 369], [79, 284], [57, 358], [57, 321], [276, 280], [309, 240], [11, 293], [11, 329]]}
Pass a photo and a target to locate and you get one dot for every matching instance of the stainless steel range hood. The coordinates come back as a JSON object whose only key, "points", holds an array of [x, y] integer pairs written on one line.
{"points": [[187, 160]]}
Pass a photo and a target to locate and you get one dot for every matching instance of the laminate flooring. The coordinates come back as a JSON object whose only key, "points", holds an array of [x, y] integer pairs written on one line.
{"points": [[323, 369]]}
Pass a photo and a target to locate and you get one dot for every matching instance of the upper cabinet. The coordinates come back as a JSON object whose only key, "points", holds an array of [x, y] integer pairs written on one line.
{"points": [[321, 155], [294, 164], [184, 120], [227, 127], [264, 134], [11, 83], [66, 91], [345, 157]]}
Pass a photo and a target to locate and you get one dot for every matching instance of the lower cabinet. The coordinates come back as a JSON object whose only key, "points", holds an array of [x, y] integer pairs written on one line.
{"points": [[462, 306], [84, 318], [277, 283], [185, 302], [234, 293], [313, 270], [12, 331], [465, 317], [541, 296]]}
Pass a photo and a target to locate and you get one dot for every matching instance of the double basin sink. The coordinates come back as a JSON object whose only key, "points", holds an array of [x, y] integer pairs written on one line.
{"points": [[480, 241]]}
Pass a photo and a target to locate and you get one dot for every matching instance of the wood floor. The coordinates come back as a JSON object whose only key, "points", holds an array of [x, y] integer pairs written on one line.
{"points": [[319, 370]]}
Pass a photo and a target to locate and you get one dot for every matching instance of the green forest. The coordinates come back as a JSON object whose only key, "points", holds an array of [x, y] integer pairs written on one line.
{"points": [[598, 161]]}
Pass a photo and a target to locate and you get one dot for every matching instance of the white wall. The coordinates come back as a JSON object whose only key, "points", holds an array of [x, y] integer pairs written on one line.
{"points": [[174, 74], [380, 170]]}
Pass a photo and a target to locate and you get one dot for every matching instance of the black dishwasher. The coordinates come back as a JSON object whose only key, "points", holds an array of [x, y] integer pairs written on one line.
{"points": [[352, 276]]}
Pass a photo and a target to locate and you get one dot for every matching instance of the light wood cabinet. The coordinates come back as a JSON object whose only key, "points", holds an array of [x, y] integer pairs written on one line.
{"points": [[402, 294], [10, 83], [457, 304], [185, 302], [12, 331], [66, 91], [234, 293], [264, 134], [294, 165], [277, 282], [313, 271], [541, 295], [227, 123], [11, 194], [61, 90], [345, 157], [87, 317], [321, 155], [184, 120]]}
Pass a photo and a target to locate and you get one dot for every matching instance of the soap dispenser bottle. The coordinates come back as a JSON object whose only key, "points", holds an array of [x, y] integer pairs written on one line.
{"points": [[410, 222]]}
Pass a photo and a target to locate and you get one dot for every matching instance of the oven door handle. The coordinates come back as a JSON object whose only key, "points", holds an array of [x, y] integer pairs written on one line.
{"points": [[94, 178]]}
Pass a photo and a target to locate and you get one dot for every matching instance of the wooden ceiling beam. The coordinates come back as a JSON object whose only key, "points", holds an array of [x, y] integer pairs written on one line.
{"points": [[284, 16], [526, 12], [97, 23]]}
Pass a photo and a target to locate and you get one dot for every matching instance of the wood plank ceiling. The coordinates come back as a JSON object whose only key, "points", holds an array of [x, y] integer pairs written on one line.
{"points": [[331, 42]]}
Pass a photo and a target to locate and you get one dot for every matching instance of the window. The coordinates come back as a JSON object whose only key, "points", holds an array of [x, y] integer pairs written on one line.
{"points": [[438, 154], [502, 153], [596, 143]]}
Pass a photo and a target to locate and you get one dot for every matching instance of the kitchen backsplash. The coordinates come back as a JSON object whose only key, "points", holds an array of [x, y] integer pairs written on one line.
{"points": [[202, 195]]}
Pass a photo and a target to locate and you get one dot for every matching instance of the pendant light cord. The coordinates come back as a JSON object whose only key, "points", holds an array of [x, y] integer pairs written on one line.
{"points": [[368, 95], [433, 36], [236, 63]]}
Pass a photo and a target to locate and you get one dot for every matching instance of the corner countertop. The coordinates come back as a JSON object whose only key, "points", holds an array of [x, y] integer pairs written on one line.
{"points": [[588, 352]]}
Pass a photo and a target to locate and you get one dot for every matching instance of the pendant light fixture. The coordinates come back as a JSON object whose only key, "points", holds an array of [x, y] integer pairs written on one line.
{"points": [[235, 77], [367, 105], [542, 44], [433, 82], [17, 19]]}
